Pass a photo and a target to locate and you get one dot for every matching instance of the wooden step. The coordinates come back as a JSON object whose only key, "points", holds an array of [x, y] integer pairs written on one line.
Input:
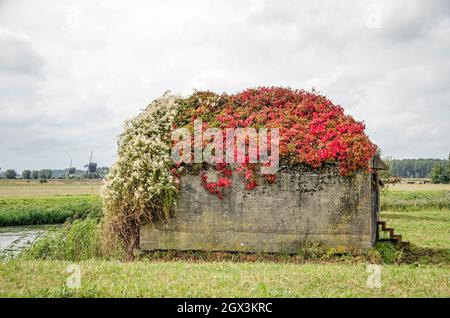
{"points": [[390, 230], [395, 238], [382, 223]]}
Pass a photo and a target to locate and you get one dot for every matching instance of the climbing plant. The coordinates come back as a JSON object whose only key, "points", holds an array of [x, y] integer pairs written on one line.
{"points": [[143, 184]]}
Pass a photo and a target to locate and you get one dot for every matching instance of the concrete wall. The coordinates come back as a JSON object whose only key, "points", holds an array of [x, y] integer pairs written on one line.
{"points": [[301, 205]]}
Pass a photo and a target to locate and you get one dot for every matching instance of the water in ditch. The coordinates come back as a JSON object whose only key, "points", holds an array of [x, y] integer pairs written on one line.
{"points": [[14, 239]]}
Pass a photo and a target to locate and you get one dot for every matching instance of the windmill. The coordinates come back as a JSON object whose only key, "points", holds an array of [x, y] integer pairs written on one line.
{"points": [[91, 168], [71, 170]]}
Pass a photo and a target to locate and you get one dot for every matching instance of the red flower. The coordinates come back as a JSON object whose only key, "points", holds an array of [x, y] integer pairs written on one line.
{"points": [[251, 185], [224, 182]]}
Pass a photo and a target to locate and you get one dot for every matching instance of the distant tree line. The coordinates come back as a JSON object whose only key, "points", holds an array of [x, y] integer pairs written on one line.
{"points": [[414, 168], [45, 174], [28, 174]]}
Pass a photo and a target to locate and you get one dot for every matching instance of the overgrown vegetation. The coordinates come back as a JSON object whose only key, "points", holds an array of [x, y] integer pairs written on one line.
{"points": [[140, 186], [143, 184], [52, 210]]}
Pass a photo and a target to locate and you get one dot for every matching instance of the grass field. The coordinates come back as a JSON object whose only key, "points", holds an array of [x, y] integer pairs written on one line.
{"points": [[46, 210], [220, 279], [418, 187], [33, 188], [28, 202], [421, 271]]}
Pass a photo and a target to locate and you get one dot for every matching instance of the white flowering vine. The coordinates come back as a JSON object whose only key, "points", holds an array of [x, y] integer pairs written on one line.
{"points": [[139, 186]]}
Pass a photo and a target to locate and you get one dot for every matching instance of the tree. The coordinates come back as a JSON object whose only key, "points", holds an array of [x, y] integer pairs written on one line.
{"points": [[440, 173], [11, 174], [45, 174], [35, 174], [26, 174]]}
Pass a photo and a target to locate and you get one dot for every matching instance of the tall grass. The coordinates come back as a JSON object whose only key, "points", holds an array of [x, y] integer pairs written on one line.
{"points": [[76, 241], [51, 210], [415, 200]]}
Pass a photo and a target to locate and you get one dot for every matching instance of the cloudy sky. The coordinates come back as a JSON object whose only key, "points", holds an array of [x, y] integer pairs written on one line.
{"points": [[72, 71]]}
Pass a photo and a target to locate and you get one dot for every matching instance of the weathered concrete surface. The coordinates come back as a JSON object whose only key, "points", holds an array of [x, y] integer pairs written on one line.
{"points": [[302, 205]]}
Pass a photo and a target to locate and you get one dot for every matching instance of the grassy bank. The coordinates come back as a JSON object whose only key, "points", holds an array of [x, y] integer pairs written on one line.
{"points": [[46, 210], [415, 200], [221, 279]]}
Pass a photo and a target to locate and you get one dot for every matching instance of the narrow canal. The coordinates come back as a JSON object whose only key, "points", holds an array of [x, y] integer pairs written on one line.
{"points": [[13, 239]]}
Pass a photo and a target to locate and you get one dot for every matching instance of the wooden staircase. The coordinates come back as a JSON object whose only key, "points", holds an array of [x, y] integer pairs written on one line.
{"points": [[395, 238]]}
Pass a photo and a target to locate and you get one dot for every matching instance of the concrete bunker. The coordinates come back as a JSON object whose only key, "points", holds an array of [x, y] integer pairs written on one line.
{"points": [[304, 204]]}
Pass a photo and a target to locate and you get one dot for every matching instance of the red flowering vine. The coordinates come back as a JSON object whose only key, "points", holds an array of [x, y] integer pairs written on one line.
{"points": [[313, 131]]}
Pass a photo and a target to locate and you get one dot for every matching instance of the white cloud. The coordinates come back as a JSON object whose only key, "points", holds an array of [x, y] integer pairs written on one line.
{"points": [[71, 72]]}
